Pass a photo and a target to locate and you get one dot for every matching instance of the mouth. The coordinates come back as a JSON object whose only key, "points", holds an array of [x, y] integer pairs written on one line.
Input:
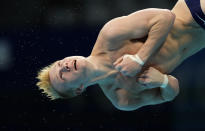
{"points": [[75, 66]]}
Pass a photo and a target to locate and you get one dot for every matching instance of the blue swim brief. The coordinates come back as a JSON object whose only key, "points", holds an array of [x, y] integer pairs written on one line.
{"points": [[196, 11]]}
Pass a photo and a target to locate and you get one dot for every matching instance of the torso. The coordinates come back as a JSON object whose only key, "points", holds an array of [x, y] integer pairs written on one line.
{"points": [[182, 42]]}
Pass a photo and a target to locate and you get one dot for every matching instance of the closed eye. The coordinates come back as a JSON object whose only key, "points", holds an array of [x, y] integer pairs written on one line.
{"points": [[64, 69], [67, 68]]}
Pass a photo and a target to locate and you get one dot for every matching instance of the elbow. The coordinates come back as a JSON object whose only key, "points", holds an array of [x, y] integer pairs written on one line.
{"points": [[176, 87], [170, 98], [170, 14], [171, 17], [168, 17]]}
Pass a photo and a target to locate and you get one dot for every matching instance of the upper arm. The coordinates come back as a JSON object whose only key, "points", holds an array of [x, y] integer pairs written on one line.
{"points": [[151, 97], [123, 100], [136, 25], [147, 97], [119, 98]]}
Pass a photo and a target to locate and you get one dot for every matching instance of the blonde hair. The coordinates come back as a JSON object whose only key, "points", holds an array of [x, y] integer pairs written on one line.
{"points": [[45, 84]]}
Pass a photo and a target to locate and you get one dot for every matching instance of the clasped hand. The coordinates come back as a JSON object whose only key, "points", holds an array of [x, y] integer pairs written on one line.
{"points": [[127, 66]]}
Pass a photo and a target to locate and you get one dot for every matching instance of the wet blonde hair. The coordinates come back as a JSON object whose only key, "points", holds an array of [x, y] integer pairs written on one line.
{"points": [[44, 83]]}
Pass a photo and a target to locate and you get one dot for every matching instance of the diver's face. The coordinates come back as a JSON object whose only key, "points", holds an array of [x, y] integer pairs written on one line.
{"points": [[68, 74]]}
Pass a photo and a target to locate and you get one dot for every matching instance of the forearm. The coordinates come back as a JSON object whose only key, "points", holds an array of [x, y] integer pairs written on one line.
{"points": [[161, 87], [160, 27]]}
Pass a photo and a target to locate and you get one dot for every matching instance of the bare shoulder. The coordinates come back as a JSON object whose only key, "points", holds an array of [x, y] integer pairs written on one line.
{"points": [[117, 96], [109, 92]]}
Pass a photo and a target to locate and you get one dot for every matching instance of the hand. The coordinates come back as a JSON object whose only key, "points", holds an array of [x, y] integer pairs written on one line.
{"points": [[127, 66], [151, 78]]}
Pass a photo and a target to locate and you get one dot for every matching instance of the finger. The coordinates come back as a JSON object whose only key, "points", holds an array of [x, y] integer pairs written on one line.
{"points": [[152, 68], [142, 76], [125, 73], [118, 61], [145, 72], [118, 67], [141, 80]]}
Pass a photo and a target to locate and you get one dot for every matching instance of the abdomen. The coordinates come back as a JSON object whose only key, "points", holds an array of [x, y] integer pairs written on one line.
{"points": [[168, 57]]}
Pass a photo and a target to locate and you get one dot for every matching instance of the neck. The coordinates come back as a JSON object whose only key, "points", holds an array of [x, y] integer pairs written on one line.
{"points": [[100, 70]]}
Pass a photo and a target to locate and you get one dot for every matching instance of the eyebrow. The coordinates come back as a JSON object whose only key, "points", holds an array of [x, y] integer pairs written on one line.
{"points": [[58, 74]]}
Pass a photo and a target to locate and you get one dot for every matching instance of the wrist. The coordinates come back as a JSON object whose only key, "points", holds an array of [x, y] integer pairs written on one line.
{"points": [[165, 81], [138, 59]]}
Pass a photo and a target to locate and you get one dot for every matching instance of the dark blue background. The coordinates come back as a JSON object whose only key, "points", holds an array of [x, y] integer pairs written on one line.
{"points": [[24, 108]]}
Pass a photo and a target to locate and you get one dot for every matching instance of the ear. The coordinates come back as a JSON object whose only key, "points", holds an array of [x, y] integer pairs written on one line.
{"points": [[80, 89]]}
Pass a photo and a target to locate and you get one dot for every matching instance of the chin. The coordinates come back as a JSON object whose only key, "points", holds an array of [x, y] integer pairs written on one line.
{"points": [[81, 63]]}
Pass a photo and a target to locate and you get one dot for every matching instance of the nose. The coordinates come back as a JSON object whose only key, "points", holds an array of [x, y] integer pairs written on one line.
{"points": [[66, 66]]}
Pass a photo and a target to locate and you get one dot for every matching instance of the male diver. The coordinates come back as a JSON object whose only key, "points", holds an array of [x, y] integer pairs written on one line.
{"points": [[132, 56]]}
